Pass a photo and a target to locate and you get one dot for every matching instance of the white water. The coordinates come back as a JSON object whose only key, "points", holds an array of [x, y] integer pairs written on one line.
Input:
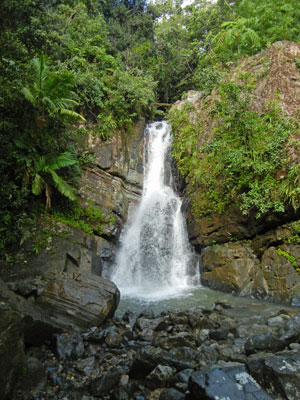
{"points": [[155, 255]]}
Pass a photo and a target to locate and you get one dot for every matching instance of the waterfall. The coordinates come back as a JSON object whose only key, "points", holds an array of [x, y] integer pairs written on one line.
{"points": [[155, 255]]}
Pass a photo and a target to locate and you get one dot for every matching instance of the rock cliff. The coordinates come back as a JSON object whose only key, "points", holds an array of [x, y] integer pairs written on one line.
{"points": [[244, 252]]}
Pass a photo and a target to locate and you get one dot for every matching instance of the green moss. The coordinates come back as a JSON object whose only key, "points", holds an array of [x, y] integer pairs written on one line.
{"points": [[297, 62], [289, 257], [88, 219], [41, 239]]}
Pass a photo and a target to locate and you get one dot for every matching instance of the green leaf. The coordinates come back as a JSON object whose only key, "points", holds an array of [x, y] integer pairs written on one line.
{"points": [[37, 185]]}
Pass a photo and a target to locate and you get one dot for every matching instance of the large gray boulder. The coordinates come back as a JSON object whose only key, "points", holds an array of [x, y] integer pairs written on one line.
{"points": [[63, 302], [78, 302]]}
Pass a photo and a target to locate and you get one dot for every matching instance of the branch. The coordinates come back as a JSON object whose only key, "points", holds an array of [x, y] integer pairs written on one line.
{"points": [[161, 104]]}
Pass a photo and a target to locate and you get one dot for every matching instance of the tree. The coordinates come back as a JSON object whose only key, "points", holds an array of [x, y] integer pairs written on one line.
{"points": [[236, 35], [42, 171], [49, 91]]}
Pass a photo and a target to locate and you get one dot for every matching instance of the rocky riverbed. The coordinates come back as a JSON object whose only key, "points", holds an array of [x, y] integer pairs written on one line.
{"points": [[217, 352]]}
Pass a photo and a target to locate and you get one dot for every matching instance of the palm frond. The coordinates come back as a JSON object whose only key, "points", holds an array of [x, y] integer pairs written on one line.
{"points": [[39, 163], [62, 186], [37, 185], [62, 160], [50, 103], [28, 95], [72, 114]]}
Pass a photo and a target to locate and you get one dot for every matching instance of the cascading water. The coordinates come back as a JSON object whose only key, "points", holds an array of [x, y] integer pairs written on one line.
{"points": [[155, 254]]}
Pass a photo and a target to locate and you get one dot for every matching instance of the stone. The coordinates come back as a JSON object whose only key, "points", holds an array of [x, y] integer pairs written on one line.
{"points": [[207, 354], [12, 356], [159, 377], [78, 303], [280, 373], [263, 342], [34, 377], [291, 330], [219, 334], [113, 339], [103, 384], [86, 365], [69, 347], [171, 394], [230, 381], [277, 321], [276, 278], [247, 330], [183, 339], [149, 357], [182, 376], [229, 267]]}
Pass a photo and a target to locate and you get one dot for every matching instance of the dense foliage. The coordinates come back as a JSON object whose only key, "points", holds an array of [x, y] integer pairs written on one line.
{"points": [[65, 62], [245, 162]]}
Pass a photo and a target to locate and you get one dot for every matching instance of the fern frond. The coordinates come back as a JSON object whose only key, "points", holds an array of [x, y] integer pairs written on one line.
{"points": [[253, 37], [218, 39], [229, 37], [49, 102]]}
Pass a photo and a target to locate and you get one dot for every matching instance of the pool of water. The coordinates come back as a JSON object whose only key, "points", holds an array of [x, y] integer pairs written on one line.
{"points": [[192, 297]]}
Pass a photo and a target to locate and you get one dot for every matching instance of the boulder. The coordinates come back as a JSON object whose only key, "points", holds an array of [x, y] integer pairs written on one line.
{"points": [[12, 356], [61, 302], [159, 377], [276, 277], [229, 267], [278, 373], [230, 381], [78, 303], [267, 274]]}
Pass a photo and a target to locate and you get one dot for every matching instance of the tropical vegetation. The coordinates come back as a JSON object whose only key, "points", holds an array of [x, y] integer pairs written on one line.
{"points": [[67, 64]]}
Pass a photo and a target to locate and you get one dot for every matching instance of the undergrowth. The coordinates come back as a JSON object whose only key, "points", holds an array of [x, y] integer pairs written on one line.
{"points": [[246, 160]]}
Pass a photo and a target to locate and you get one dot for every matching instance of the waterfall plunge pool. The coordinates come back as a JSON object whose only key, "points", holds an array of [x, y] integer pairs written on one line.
{"points": [[137, 300], [155, 265]]}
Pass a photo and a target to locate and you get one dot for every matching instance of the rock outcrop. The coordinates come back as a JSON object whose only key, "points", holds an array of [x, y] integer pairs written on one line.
{"points": [[242, 253], [114, 184], [234, 267], [58, 286]]}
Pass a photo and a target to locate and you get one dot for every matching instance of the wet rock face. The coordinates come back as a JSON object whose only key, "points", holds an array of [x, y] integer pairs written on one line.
{"points": [[261, 268], [114, 184], [228, 267], [117, 361]]}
